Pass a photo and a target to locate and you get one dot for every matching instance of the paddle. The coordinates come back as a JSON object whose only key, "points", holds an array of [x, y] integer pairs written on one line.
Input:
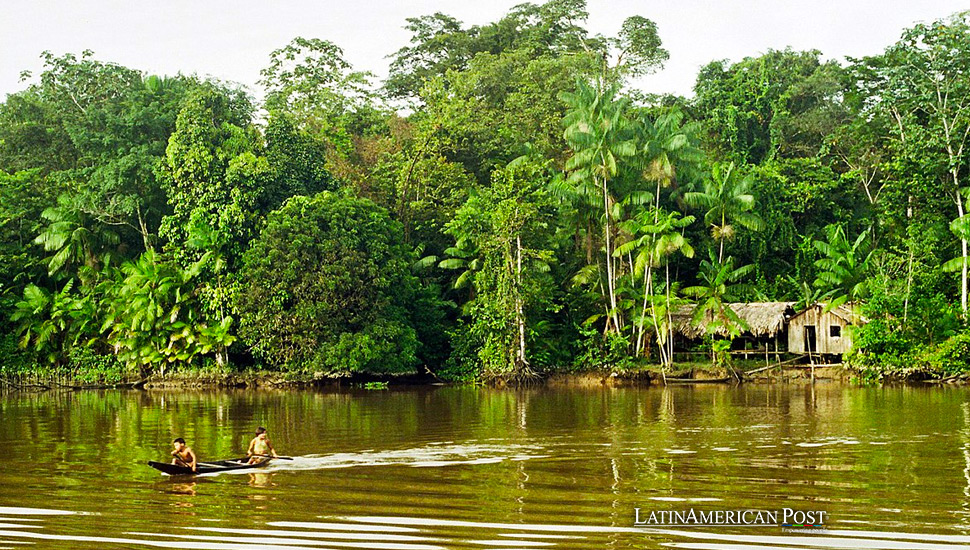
{"points": [[279, 457]]}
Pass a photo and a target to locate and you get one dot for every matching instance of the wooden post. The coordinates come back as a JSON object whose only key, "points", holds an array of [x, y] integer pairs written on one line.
{"points": [[811, 361]]}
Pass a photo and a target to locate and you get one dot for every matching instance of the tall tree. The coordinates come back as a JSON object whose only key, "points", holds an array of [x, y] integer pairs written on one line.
{"points": [[440, 43], [657, 235], [923, 84], [508, 224], [309, 80], [215, 177], [600, 136], [781, 102], [729, 200], [327, 287]]}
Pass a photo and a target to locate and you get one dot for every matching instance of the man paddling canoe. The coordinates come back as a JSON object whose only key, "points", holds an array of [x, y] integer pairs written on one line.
{"points": [[184, 455], [260, 447]]}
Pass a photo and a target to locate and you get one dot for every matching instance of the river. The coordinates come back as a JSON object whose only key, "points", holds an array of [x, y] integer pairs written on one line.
{"points": [[445, 467]]}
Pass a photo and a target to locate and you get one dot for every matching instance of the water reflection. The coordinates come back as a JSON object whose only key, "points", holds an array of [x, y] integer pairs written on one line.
{"points": [[182, 488], [261, 479], [474, 467]]}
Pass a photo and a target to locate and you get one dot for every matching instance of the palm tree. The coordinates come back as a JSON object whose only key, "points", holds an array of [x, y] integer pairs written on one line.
{"points": [[463, 257], [657, 235], [844, 266], [49, 321], [600, 137], [729, 200], [719, 286], [72, 241], [669, 148], [153, 316]]}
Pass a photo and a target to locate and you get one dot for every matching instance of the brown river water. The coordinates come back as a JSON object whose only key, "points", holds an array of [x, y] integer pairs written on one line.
{"points": [[436, 468]]}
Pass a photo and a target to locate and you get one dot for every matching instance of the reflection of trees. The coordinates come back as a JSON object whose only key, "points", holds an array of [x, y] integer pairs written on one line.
{"points": [[965, 435]]}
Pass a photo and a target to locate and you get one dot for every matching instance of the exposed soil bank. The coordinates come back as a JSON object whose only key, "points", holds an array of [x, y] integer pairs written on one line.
{"points": [[681, 374], [199, 380]]}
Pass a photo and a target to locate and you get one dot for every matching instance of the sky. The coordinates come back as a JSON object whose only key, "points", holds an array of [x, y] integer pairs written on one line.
{"points": [[231, 39]]}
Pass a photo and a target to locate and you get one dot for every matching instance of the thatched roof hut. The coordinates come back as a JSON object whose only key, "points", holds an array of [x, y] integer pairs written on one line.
{"points": [[762, 319]]}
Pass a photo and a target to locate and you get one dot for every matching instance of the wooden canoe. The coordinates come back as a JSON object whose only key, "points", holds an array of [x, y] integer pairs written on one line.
{"points": [[207, 467]]}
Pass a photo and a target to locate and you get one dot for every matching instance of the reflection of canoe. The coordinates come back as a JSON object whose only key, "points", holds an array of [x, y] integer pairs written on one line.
{"points": [[207, 467]]}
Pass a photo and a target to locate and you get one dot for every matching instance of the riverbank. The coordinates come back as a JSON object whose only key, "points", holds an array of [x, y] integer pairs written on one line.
{"points": [[752, 371], [687, 373]]}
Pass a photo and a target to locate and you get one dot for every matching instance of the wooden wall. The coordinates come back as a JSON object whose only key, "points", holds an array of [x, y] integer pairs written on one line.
{"points": [[825, 342]]}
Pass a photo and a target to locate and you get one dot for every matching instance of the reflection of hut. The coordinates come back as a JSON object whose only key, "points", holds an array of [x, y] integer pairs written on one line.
{"points": [[815, 330], [764, 323]]}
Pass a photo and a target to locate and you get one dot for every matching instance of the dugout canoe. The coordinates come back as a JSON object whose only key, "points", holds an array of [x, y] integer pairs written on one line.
{"points": [[207, 467]]}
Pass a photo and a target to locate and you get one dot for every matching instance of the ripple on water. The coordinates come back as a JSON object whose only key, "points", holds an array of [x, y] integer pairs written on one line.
{"points": [[342, 532], [432, 455], [426, 533]]}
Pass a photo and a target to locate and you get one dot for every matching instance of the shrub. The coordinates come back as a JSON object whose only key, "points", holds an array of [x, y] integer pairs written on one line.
{"points": [[327, 286]]}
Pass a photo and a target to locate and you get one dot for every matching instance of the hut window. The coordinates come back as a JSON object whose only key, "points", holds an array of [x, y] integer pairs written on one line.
{"points": [[835, 331]]}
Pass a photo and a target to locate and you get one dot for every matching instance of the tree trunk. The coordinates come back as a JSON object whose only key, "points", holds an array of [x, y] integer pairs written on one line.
{"points": [[519, 313], [963, 244], [647, 286], [720, 253], [144, 230], [610, 282], [670, 317]]}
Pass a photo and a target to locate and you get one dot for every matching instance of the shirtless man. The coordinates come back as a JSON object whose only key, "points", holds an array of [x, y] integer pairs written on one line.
{"points": [[184, 455], [260, 447]]}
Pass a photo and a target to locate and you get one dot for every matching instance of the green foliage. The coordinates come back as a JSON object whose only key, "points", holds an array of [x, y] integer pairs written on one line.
{"points": [[148, 223], [462, 364], [950, 357], [721, 352], [508, 226], [310, 77], [23, 197], [720, 285], [154, 318], [918, 91], [782, 102], [215, 178], [601, 137], [844, 266], [603, 351], [297, 161], [907, 339], [797, 199], [74, 240], [13, 360], [50, 323], [441, 44], [502, 106], [310, 81], [729, 200], [94, 368], [327, 287]]}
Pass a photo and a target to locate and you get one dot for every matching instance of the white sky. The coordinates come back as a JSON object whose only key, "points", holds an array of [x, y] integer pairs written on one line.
{"points": [[232, 39]]}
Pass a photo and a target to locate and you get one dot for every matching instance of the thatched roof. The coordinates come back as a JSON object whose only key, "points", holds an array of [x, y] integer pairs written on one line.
{"points": [[761, 318]]}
